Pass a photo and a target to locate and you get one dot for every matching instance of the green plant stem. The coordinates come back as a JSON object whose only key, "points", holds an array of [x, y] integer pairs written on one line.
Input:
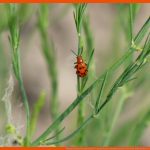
{"points": [[49, 55], [80, 117], [89, 46], [139, 128], [130, 26], [79, 99], [125, 92], [78, 16], [121, 81], [50, 58], [113, 67], [51, 63], [118, 108], [36, 111], [131, 22], [84, 124], [64, 115], [14, 28], [27, 110], [24, 97]]}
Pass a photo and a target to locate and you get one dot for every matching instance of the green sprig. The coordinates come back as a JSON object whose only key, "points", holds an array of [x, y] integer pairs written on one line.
{"points": [[79, 99], [14, 38]]}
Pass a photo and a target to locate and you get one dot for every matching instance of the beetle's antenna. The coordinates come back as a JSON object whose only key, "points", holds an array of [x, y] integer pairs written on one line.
{"points": [[74, 53]]}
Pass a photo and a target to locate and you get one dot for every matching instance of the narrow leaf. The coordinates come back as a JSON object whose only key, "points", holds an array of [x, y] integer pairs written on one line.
{"points": [[36, 110], [74, 132], [138, 39], [101, 92]]}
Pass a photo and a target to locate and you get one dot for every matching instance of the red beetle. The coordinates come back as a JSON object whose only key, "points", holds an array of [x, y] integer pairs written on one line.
{"points": [[81, 66]]}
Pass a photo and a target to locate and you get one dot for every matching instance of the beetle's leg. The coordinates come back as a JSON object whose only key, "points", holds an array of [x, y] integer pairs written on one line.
{"points": [[75, 66]]}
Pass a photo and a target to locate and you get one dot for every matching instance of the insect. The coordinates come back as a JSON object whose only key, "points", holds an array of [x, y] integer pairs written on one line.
{"points": [[81, 66]]}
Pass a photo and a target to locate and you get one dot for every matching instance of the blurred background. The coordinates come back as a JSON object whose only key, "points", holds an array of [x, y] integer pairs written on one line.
{"points": [[109, 43]]}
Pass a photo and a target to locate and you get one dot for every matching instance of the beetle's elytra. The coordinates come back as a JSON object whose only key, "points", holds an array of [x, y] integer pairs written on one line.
{"points": [[81, 67]]}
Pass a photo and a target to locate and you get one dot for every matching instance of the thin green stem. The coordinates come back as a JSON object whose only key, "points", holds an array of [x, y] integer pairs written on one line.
{"points": [[49, 55], [27, 110], [63, 115], [84, 124], [125, 93], [118, 108], [79, 99], [14, 38], [78, 17], [131, 22], [80, 118], [99, 98], [78, 86], [120, 82], [36, 111], [139, 128]]}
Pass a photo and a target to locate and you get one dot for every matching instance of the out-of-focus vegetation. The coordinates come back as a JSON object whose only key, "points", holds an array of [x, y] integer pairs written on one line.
{"points": [[98, 124]]}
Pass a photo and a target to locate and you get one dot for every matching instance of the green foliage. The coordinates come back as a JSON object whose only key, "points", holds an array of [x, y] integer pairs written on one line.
{"points": [[36, 111], [101, 91], [78, 15], [3, 68], [127, 14], [139, 129], [49, 53], [78, 18], [14, 38], [123, 79], [10, 129]]}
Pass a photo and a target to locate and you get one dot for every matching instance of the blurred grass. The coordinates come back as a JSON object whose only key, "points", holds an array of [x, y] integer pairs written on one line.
{"points": [[106, 128], [3, 68], [35, 113], [49, 53]]}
